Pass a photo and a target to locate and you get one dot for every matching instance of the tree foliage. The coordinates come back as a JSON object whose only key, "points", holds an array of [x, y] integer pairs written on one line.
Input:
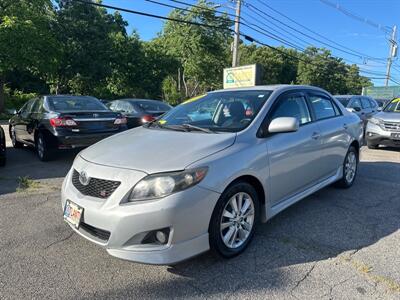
{"points": [[64, 46]]}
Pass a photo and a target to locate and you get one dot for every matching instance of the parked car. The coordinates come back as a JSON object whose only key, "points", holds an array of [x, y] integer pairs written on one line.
{"points": [[174, 188], [2, 147], [384, 127], [139, 111], [51, 123], [381, 102], [364, 106]]}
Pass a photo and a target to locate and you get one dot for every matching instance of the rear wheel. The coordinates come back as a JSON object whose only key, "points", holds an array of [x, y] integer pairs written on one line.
{"points": [[14, 141], [234, 220], [350, 167], [2, 153], [42, 148]]}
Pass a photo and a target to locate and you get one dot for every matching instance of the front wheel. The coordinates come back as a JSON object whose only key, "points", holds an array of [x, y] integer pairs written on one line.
{"points": [[234, 220], [350, 167]]}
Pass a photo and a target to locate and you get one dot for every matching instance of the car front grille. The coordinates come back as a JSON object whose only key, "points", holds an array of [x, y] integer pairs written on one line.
{"points": [[96, 232], [391, 126], [99, 188]]}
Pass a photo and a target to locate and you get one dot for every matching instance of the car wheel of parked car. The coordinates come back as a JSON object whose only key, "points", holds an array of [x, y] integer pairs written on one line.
{"points": [[350, 167], [14, 141], [372, 146], [42, 148], [234, 220], [2, 153]]}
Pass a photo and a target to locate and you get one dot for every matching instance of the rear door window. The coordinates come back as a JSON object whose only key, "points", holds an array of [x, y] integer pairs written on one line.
{"points": [[323, 107], [365, 103]]}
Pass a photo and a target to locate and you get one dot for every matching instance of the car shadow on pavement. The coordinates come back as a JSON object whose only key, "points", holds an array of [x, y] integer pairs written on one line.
{"points": [[331, 223], [24, 163]]}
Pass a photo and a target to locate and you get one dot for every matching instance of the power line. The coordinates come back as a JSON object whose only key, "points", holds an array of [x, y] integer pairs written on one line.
{"points": [[247, 37], [355, 16], [152, 15], [360, 54]]}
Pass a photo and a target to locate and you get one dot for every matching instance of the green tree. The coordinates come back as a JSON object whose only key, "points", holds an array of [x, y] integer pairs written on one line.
{"points": [[278, 66], [354, 81], [202, 52], [26, 40]]}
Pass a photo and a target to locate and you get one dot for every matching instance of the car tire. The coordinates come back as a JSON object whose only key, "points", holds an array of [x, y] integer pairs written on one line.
{"points": [[372, 146], [3, 154], [42, 148], [350, 168], [230, 230], [14, 141]]}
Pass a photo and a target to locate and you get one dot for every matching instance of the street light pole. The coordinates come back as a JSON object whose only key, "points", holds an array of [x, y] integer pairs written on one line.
{"points": [[235, 50], [392, 54]]}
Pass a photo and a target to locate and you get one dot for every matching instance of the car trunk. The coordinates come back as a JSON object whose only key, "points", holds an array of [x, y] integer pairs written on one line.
{"points": [[92, 122]]}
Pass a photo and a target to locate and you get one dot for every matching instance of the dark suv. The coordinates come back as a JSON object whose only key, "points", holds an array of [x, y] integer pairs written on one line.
{"points": [[2, 147], [51, 123]]}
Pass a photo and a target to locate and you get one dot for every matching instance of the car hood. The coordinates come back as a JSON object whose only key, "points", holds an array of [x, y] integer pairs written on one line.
{"points": [[388, 116], [154, 150]]}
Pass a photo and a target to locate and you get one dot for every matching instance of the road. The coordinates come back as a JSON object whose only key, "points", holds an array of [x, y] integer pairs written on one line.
{"points": [[336, 244]]}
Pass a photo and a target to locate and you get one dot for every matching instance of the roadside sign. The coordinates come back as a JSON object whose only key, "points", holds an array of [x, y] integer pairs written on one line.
{"points": [[243, 76], [382, 92]]}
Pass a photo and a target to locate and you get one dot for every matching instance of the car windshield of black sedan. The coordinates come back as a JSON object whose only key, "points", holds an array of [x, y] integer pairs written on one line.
{"points": [[393, 106], [76, 104], [230, 111]]}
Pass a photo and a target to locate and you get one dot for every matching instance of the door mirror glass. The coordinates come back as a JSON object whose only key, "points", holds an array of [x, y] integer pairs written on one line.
{"points": [[283, 124]]}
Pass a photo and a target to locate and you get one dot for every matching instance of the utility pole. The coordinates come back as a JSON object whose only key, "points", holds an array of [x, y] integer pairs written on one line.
{"points": [[235, 49], [392, 54]]}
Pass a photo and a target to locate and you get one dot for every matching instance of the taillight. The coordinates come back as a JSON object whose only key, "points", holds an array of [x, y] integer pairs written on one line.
{"points": [[147, 118], [62, 122], [120, 121]]}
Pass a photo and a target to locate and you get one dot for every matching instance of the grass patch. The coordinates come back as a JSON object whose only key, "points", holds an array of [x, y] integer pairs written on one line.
{"points": [[27, 184]]}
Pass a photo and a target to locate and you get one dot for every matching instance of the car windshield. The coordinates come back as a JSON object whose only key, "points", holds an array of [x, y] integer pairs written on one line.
{"points": [[153, 106], [229, 111], [393, 106], [344, 100], [76, 104]]}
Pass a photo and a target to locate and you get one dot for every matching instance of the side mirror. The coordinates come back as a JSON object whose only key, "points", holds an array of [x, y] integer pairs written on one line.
{"points": [[379, 108], [283, 124], [357, 108]]}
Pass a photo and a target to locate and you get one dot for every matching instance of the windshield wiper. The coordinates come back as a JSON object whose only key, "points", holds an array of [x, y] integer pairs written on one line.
{"points": [[193, 127]]}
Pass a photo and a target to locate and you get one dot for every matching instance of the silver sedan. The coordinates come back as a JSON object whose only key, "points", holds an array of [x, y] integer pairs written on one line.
{"points": [[204, 175]]}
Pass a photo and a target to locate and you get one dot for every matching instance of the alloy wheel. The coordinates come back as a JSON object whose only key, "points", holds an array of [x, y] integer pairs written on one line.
{"points": [[40, 146], [237, 220], [350, 167]]}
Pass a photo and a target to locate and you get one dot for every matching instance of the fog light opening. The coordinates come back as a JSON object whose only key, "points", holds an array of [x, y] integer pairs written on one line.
{"points": [[161, 237]]}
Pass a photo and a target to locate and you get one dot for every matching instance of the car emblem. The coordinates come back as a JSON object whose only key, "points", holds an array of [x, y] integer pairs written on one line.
{"points": [[83, 178], [96, 115]]}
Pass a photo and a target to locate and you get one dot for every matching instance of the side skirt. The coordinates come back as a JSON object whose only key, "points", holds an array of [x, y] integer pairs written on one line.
{"points": [[299, 196]]}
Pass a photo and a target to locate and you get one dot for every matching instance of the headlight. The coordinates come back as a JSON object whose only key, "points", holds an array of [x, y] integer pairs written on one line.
{"points": [[164, 184], [375, 121]]}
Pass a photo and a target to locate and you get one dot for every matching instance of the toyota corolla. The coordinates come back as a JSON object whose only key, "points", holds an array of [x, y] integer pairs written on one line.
{"points": [[177, 187]]}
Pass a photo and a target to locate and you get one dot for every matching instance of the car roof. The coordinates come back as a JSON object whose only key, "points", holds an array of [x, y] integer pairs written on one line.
{"points": [[140, 100], [68, 96], [273, 87]]}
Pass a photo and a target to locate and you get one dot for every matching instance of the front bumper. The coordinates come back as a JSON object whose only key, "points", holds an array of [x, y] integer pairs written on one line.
{"points": [[375, 135], [186, 214]]}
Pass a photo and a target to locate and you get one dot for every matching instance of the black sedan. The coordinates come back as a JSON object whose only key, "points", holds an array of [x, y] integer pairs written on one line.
{"points": [[2, 147], [51, 123], [139, 111]]}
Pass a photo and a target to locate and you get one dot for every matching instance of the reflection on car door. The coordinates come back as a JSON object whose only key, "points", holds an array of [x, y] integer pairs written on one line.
{"points": [[33, 119], [334, 136], [23, 121], [294, 157]]}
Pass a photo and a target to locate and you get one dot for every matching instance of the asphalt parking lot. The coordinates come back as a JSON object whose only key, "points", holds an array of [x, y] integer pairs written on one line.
{"points": [[336, 244]]}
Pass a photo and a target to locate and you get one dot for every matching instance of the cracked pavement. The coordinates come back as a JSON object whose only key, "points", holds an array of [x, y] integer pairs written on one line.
{"points": [[335, 244]]}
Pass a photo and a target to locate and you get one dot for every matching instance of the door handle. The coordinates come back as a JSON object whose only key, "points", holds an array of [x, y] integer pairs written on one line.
{"points": [[345, 126], [316, 135]]}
